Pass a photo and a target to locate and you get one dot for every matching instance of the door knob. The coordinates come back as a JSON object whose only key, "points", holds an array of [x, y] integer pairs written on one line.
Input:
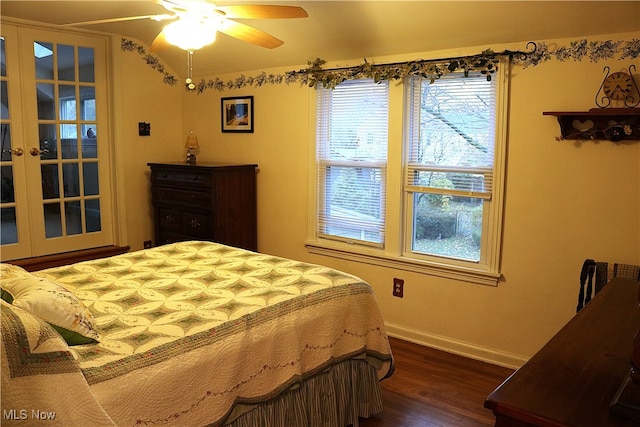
{"points": [[15, 151], [35, 151]]}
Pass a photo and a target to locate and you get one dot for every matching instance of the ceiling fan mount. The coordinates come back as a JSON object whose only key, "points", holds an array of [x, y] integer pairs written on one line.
{"points": [[195, 23]]}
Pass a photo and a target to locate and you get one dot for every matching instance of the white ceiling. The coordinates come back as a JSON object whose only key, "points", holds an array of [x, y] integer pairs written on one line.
{"points": [[341, 30]]}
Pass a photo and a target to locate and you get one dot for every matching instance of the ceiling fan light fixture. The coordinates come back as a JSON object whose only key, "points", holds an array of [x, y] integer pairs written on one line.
{"points": [[191, 33]]}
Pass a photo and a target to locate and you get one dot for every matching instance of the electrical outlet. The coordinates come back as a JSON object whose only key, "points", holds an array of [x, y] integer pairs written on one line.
{"points": [[146, 244], [398, 287]]}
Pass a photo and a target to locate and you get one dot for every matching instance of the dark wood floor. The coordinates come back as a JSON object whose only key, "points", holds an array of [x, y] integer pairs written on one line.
{"points": [[434, 388]]}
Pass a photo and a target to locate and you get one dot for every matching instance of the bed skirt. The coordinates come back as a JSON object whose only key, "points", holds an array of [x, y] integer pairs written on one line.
{"points": [[336, 397]]}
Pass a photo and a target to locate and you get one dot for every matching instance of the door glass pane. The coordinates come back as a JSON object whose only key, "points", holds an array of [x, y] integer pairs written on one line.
{"points": [[7, 194], [89, 141], [5, 137], [46, 104], [69, 141], [87, 103], [67, 102], [85, 63], [66, 63], [9, 229], [90, 179], [71, 180], [8, 220], [52, 220], [3, 60], [50, 185], [43, 53], [48, 142], [73, 217], [4, 98], [92, 215]]}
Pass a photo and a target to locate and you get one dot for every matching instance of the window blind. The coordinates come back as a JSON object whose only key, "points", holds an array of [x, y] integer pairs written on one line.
{"points": [[451, 130], [352, 134]]}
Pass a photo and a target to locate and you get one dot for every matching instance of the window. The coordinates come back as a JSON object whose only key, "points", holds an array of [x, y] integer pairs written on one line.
{"points": [[437, 208], [449, 168], [351, 162]]}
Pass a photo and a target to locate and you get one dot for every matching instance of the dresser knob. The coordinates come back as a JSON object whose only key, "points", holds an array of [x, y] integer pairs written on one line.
{"points": [[195, 223], [170, 219]]}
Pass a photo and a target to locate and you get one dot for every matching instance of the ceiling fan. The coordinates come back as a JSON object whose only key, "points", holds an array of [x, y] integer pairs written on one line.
{"points": [[195, 23]]}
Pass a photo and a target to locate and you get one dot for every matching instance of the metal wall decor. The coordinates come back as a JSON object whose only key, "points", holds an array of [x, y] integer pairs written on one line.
{"points": [[618, 86]]}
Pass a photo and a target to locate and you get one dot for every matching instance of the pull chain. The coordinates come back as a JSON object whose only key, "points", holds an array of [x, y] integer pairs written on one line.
{"points": [[189, 80]]}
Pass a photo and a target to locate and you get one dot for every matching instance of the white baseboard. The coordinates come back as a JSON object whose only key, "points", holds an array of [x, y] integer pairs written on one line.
{"points": [[457, 347]]}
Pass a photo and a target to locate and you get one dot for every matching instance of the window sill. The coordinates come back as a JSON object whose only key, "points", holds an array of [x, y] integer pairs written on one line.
{"points": [[338, 250]]}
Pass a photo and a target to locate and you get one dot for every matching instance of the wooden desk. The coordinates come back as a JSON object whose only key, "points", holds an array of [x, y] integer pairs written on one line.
{"points": [[572, 380]]}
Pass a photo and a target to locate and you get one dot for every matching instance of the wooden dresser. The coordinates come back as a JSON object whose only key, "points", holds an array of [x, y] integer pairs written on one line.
{"points": [[574, 378], [207, 201]]}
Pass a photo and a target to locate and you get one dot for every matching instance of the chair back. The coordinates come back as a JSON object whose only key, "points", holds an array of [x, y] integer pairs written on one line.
{"points": [[603, 272]]}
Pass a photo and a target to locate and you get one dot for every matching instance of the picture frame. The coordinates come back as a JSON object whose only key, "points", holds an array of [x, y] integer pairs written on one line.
{"points": [[237, 114]]}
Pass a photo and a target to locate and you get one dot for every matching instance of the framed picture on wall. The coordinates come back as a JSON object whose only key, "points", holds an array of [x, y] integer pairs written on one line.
{"points": [[237, 114]]}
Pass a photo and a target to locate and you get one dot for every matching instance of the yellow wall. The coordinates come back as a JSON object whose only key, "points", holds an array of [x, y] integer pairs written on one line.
{"points": [[565, 201], [140, 96]]}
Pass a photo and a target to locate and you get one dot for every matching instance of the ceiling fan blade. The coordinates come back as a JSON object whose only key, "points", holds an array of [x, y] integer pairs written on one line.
{"points": [[160, 43], [126, 18], [182, 6], [249, 34], [263, 12]]}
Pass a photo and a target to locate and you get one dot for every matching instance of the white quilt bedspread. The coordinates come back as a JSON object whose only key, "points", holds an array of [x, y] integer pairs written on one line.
{"points": [[190, 329]]}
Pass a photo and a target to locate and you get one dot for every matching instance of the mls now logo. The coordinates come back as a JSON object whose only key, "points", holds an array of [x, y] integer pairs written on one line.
{"points": [[23, 414]]}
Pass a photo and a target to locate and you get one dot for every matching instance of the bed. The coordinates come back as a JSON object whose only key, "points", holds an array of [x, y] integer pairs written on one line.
{"points": [[192, 333]]}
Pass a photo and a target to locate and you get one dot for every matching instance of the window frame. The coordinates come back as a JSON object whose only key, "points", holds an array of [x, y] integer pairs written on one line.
{"points": [[377, 164], [393, 254]]}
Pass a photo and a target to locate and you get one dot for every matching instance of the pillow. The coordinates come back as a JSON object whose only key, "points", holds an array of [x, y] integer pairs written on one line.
{"points": [[6, 296], [49, 301], [32, 346]]}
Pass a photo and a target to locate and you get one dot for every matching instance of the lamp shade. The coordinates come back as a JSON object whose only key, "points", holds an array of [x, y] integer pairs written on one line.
{"points": [[192, 141]]}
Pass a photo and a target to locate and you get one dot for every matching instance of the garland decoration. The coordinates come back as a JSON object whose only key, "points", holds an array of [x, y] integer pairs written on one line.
{"points": [[130, 46], [579, 49], [484, 62]]}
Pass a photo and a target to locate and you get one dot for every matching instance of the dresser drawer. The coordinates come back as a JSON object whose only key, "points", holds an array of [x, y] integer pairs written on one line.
{"points": [[182, 197], [196, 225], [181, 178], [207, 201], [184, 222], [170, 220]]}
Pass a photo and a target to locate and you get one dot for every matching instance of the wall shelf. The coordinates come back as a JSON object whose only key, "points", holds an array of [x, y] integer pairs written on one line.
{"points": [[613, 124]]}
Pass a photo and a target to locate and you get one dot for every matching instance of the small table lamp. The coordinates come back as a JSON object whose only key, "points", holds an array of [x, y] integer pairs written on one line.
{"points": [[190, 144]]}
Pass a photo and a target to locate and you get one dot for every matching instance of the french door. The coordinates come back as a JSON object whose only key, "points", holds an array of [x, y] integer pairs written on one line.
{"points": [[55, 159]]}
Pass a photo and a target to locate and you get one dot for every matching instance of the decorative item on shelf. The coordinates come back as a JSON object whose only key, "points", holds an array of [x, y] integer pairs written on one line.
{"points": [[619, 86], [617, 117], [191, 144], [613, 124]]}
